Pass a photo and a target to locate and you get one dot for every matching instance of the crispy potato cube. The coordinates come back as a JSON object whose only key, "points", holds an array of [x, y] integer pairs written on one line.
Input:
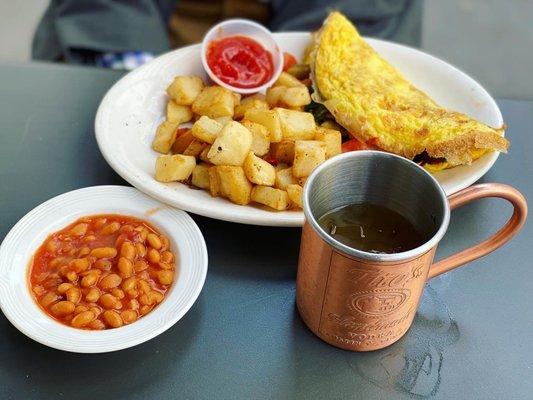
{"points": [[223, 120], [284, 178], [204, 153], [274, 94], [295, 194], [296, 125], [274, 198], [165, 136], [260, 138], [176, 167], [200, 176], [308, 154], [295, 96], [286, 79], [301, 181], [194, 148], [283, 151], [231, 182], [206, 129], [259, 171], [184, 89], [182, 141], [269, 119], [231, 145], [256, 101], [214, 102], [332, 139], [178, 113], [214, 182]]}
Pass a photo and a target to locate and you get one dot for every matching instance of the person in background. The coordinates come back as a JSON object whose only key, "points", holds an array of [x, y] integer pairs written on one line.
{"points": [[123, 34]]}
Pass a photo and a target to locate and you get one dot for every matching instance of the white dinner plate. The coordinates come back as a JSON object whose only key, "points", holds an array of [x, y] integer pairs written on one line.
{"points": [[133, 108], [28, 234]]}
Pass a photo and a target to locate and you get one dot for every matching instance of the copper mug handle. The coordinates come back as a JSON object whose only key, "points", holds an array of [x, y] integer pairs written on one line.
{"points": [[501, 237]]}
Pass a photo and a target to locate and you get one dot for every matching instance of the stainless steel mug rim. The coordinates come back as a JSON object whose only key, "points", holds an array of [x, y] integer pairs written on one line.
{"points": [[359, 254]]}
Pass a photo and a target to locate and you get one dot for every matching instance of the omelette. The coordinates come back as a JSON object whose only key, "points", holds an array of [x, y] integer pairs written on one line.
{"points": [[376, 104]]}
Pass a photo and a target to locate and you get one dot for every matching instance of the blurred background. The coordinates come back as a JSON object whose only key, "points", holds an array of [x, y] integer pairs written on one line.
{"points": [[492, 40]]}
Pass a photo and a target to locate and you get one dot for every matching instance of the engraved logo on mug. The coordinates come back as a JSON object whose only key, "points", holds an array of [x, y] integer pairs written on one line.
{"points": [[378, 302]]}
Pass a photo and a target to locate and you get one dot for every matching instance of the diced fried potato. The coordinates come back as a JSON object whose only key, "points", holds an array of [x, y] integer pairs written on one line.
{"points": [[296, 125], [284, 178], [260, 137], [330, 124], [269, 119], [274, 198], [204, 153], [300, 71], [308, 154], [332, 139], [259, 171], [301, 181], [206, 129], [256, 101], [295, 194], [165, 136], [184, 89], [200, 176], [274, 94], [231, 145], [194, 148], [178, 113], [295, 96], [283, 151], [230, 182], [214, 102], [223, 120], [281, 166], [286, 79], [176, 167], [182, 142]]}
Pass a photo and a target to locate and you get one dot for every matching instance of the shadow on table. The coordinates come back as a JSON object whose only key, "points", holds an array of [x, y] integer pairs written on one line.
{"points": [[48, 372]]}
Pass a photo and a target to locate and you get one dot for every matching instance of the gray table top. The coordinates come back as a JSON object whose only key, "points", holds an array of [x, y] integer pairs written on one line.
{"points": [[243, 338]]}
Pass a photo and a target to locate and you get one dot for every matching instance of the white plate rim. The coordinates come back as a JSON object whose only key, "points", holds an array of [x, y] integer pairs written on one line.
{"points": [[75, 203], [268, 218]]}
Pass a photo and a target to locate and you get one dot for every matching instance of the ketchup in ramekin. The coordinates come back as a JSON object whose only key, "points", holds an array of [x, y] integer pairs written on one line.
{"points": [[240, 61]]}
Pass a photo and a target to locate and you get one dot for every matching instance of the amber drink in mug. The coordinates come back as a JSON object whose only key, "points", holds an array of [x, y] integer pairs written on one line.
{"points": [[359, 300]]}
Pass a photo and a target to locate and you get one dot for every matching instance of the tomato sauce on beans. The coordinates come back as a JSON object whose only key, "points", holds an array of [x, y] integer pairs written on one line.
{"points": [[102, 272]]}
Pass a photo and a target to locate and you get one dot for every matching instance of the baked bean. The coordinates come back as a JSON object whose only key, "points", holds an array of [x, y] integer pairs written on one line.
{"points": [[64, 287], [83, 252], [133, 293], [153, 241], [51, 246], [73, 295], [133, 304], [92, 295], [167, 257], [128, 316], [104, 265], [154, 256], [79, 229], [126, 229], [129, 284], [52, 283], [156, 297], [104, 252], [109, 229], [140, 265], [81, 308], [38, 290], [82, 319], [79, 264], [56, 262], [71, 276], [165, 277], [112, 319], [119, 294], [125, 267], [165, 243], [144, 286], [89, 280], [62, 308], [164, 265], [140, 249], [49, 298], [145, 309], [99, 223], [146, 299], [110, 281], [95, 310], [89, 238], [128, 251], [96, 325], [108, 301]]}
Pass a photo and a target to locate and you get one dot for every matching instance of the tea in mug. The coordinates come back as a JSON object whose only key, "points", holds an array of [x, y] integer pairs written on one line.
{"points": [[371, 228]]}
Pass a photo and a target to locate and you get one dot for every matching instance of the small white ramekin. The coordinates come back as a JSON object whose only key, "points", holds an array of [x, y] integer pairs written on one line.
{"points": [[244, 27]]}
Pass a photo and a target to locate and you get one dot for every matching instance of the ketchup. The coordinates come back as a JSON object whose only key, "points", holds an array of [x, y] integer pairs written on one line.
{"points": [[240, 61]]}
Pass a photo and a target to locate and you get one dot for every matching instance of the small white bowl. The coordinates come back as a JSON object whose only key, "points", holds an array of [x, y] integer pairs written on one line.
{"points": [[244, 27], [27, 235]]}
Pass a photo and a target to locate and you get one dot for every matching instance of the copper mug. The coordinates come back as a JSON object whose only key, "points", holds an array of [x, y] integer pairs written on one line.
{"points": [[364, 301]]}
